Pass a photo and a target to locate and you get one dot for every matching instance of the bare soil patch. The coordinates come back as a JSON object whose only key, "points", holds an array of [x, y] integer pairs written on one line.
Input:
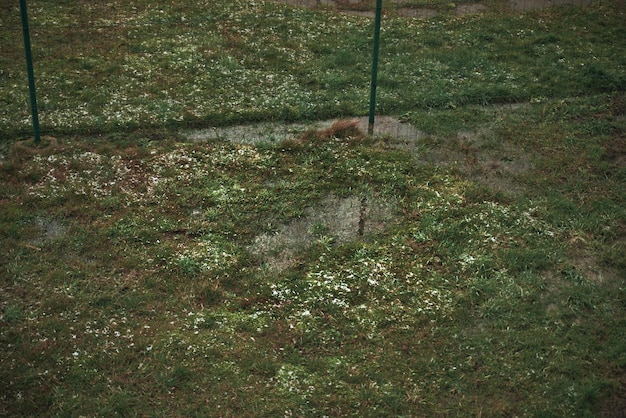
{"points": [[364, 7], [474, 156]]}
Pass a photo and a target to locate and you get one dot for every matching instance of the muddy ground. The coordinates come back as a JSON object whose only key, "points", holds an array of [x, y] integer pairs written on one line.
{"points": [[404, 9]]}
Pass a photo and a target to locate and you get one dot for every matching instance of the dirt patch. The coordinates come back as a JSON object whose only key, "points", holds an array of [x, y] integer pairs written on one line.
{"points": [[392, 127], [470, 9], [615, 153], [476, 156], [364, 7], [526, 5], [253, 133], [333, 221], [615, 405], [587, 263], [28, 148]]}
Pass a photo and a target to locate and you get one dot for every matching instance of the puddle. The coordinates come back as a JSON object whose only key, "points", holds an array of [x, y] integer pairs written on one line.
{"points": [[49, 230], [335, 220], [274, 132], [254, 133]]}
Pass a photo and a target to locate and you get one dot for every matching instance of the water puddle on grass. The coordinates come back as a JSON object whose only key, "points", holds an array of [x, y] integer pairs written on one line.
{"points": [[48, 230], [334, 221], [384, 126], [338, 220], [470, 153]]}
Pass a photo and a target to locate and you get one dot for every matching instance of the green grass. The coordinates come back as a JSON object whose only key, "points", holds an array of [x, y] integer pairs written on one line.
{"points": [[130, 285], [108, 66], [490, 283]]}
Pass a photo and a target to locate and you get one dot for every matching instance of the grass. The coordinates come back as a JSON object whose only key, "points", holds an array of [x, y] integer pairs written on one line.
{"points": [[130, 285], [108, 66], [489, 282]]}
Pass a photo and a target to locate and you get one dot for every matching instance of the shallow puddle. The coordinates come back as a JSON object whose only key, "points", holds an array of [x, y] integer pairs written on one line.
{"points": [[388, 126], [333, 221]]}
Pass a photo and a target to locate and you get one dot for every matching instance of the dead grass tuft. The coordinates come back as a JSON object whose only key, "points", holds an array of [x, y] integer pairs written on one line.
{"points": [[343, 129], [347, 130]]}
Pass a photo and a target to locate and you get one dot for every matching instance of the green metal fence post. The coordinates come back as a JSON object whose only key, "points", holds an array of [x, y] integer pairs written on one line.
{"points": [[31, 73], [379, 8]]}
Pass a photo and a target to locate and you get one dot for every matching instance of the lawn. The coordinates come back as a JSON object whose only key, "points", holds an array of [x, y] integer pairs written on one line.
{"points": [[111, 65], [478, 270]]}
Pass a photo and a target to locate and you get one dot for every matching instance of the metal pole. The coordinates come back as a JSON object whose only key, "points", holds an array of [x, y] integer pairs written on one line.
{"points": [[379, 8], [31, 73]]}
